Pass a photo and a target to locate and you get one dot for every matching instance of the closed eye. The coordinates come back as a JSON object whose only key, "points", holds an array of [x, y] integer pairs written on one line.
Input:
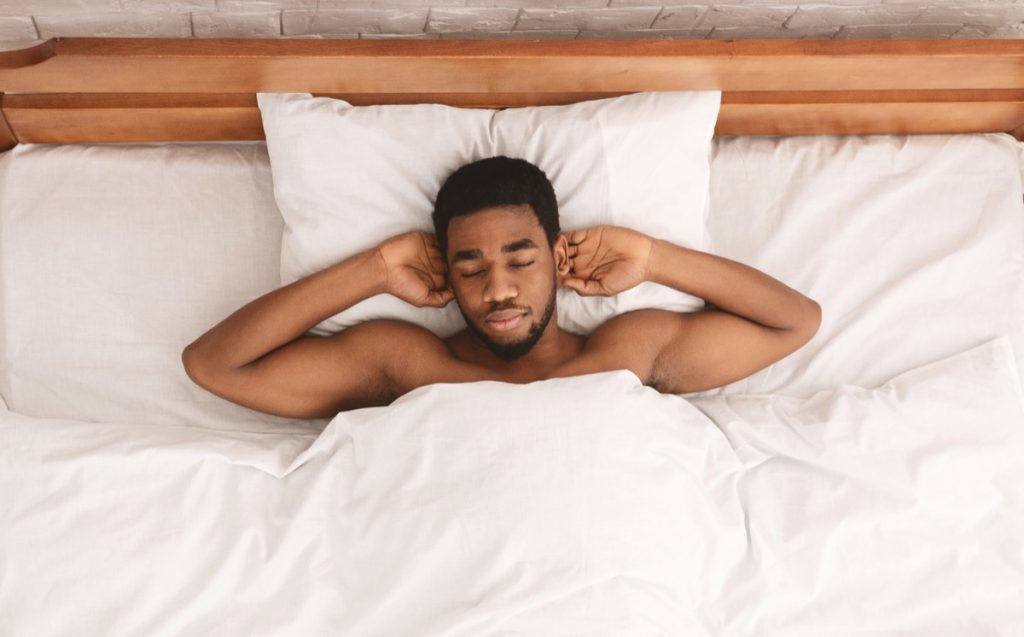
{"points": [[470, 275], [522, 265]]}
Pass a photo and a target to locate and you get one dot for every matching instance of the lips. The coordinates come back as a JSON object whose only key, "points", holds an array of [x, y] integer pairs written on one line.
{"points": [[504, 320]]}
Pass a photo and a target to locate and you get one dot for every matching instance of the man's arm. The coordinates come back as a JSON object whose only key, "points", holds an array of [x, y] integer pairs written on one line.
{"points": [[756, 319], [259, 357]]}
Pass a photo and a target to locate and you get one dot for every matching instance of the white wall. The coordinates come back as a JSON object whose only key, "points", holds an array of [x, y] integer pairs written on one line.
{"points": [[23, 22]]}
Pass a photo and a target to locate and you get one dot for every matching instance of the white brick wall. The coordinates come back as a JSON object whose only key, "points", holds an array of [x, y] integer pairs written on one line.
{"points": [[222, 24], [374, 21], [24, 22], [462, 19], [158, 25], [17, 29]]}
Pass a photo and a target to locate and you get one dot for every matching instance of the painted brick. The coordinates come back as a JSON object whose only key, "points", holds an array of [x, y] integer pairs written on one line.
{"points": [[990, 15], [819, 16], [385, 5], [973, 33], [167, 6], [468, 20], [542, 4], [920, 3], [17, 29], [773, 33], [236, 25], [564, 34], [745, 16], [26, 8], [264, 5], [679, 18], [399, 36], [1012, 31], [629, 19], [160, 25], [886, 32], [647, 34], [641, 3], [333, 36], [353, 21], [14, 45], [778, 3]]}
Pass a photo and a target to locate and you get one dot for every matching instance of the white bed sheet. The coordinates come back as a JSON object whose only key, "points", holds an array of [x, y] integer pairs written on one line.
{"points": [[582, 506], [112, 258], [144, 505]]}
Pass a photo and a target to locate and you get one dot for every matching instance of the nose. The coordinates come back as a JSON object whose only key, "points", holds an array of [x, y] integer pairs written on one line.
{"points": [[500, 287]]}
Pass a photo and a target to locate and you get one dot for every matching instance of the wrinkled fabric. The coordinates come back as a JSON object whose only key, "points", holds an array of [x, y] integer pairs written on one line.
{"points": [[581, 506]]}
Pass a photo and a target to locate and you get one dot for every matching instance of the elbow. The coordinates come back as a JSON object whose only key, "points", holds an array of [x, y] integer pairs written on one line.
{"points": [[192, 361], [811, 322]]}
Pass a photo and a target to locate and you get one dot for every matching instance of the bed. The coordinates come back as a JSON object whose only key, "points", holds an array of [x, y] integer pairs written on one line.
{"points": [[870, 483]]}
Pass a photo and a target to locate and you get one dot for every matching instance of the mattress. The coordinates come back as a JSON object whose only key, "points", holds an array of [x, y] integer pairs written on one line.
{"points": [[870, 482]]}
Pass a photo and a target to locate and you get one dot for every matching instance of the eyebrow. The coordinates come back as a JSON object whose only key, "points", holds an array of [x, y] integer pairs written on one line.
{"points": [[515, 246]]}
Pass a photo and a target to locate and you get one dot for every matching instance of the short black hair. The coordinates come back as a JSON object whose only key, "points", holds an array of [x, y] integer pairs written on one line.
{"points": [[496, 181]]}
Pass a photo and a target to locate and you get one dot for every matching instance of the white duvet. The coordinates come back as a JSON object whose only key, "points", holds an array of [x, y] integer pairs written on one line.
{"points": [[582, 506]]}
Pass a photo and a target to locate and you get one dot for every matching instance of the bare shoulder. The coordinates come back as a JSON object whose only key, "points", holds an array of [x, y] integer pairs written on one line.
{"points": [[412, 356], [630, 341], [401, 341], [639, 327]]}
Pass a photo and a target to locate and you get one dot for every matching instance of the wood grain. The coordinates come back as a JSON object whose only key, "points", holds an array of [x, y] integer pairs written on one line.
{"points": [[101, 65], [79, 118], [118, 89], [7, 138]]}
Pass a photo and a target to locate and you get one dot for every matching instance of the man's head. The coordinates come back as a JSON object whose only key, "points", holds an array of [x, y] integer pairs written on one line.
{"points": [[496, 222]]}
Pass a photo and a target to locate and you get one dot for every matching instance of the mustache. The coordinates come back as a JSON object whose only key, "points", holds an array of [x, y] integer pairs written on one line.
{"points": [[498, 307]]}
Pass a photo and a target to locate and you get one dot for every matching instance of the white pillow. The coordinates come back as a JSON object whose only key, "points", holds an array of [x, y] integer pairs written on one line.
{"points": [[346, 178], [912, 244], [112, 259]]}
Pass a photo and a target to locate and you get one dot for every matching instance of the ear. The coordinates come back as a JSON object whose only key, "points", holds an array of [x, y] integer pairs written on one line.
{"points": [[561, 251]]}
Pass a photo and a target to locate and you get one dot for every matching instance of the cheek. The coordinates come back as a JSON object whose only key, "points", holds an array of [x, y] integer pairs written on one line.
{"points": [[540, 286], [463, 291]]}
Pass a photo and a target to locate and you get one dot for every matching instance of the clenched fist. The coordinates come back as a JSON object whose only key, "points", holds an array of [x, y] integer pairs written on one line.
{"points": [[414, 270], [606, 260]]}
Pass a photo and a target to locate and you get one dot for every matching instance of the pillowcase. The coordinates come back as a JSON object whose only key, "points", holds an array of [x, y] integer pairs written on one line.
{"points": [[347, 178], [912, 244], [112, 259]]}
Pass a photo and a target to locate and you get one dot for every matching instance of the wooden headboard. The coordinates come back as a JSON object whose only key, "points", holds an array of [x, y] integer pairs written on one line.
{"points": [[75, 90]]}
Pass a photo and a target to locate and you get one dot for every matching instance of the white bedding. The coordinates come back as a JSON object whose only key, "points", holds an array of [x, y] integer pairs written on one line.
{"points": [[794, 502], [582, 506], [112, 259], [913, 245]]}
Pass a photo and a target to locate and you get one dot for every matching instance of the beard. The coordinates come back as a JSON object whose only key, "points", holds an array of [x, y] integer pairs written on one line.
{"points": [[516, 349]]}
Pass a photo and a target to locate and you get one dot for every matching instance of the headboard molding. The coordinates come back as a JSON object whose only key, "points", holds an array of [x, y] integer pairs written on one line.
{"points": [[74, 90]]}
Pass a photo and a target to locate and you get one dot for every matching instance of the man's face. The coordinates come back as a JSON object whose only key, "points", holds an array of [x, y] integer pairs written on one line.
{"points": [[504, 277]]}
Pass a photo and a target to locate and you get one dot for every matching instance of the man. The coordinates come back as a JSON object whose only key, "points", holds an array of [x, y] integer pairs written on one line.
{"points": [[500, 255]]}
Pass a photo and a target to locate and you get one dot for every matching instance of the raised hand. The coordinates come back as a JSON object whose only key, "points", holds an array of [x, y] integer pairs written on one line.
{"points": [[606, 260], [415, 270]]}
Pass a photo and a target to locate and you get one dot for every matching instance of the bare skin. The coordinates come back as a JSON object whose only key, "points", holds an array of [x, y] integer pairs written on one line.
{"points": [[503, 274]]}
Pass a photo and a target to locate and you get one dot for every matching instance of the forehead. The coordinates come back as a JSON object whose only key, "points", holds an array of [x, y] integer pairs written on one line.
{"points": [[494, 227]]}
